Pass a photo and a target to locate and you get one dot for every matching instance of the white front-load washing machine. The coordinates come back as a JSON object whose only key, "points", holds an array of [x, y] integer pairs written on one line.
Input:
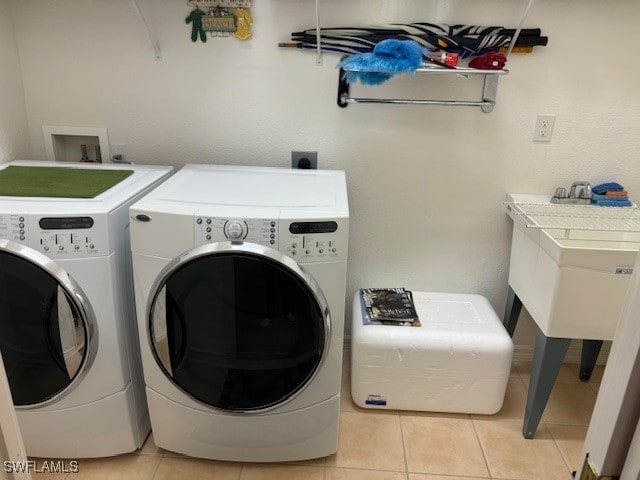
{"points": [[68, 334], [240, 277]]}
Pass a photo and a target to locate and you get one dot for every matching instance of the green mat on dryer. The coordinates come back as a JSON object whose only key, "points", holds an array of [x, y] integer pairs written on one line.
{"points": [[60, 182]]}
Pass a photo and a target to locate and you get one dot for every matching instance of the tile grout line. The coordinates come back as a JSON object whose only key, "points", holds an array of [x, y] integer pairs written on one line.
{"points": [[555, 442], [155, 470], [484, 455], [404, 451]]}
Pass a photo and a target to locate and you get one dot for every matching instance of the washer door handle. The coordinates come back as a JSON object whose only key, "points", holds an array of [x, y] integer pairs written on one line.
{"points": [[159, 333], [72, 337]]}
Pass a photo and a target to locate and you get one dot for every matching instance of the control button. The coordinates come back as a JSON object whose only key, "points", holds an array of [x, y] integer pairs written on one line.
{"points": [[333, 250], [91, 246], [208, 237], [293, 252], [199, 221], [272, 230], [320, 251], [61, 247], [21, 219], [294, 245], [273, 235], [21, 237], [208, 229], [76, 247], [46, 249], [22, 232], [208, 221], [272, 242], [307, 252], [273, 224], [21, 225], [234, 230]]}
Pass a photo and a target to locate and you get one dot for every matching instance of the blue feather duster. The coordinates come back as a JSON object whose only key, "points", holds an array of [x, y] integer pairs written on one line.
{"points": [[389, 58]]}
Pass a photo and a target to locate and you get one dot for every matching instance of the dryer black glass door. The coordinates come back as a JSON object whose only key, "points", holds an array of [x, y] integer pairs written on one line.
{"points": [[237, 331], [43, 330]]}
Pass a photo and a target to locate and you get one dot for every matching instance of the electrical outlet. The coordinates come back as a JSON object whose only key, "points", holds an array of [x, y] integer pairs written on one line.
{"points": [[304, 160], [119, 154], [544, 128]]}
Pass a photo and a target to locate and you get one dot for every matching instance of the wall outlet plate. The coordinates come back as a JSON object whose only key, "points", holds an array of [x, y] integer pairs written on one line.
{"points": [[304, 160], [544, 128], [119, 154]]}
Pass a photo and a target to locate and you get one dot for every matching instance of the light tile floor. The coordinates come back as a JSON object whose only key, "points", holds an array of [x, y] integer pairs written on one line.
{"points": [[392, 445]]}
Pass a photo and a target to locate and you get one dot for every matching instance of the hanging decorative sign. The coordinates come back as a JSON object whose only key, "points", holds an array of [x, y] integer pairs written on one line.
{"points": [[219, 22], [221, 19], [220, 3]]}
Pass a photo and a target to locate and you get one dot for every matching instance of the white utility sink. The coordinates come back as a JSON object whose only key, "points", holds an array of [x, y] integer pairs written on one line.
{"points": [[571, 264]]}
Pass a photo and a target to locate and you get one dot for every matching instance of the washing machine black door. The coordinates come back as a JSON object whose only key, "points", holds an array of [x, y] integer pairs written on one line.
{"points": [[238, 327], [48, 335]]}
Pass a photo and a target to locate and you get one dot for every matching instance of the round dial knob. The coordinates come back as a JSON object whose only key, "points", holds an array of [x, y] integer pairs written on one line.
{"points": [[234, 230]]}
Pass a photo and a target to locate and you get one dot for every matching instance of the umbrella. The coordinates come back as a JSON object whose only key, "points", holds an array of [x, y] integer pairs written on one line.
{"points": [[466, 40]]}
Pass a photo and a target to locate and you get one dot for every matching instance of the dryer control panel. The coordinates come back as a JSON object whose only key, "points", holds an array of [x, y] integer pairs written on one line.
{"points": [[56, 237], [255, 230]]}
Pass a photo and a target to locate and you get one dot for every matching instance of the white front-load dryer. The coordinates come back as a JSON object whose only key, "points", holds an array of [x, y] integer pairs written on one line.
{"points": [[240, 277], [68, 334]]}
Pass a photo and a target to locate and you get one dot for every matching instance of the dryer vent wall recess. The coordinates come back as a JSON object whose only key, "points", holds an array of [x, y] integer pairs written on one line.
{"points": [[304, 160]]}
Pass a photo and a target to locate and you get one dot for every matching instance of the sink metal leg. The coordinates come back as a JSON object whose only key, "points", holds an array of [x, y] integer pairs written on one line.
{"points": [[547, 359], [511, 311], [590, 351]]}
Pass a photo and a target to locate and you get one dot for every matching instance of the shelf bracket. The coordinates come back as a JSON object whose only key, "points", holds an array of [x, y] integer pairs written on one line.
{"points": [[152, 38]]}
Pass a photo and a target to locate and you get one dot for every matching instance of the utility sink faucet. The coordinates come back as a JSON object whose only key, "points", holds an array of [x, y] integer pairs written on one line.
{"points": [[579, 194], [583, 188]]}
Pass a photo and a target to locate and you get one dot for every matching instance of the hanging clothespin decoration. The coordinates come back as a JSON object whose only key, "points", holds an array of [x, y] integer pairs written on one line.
{"points": [[243, 23], [195, 17]]}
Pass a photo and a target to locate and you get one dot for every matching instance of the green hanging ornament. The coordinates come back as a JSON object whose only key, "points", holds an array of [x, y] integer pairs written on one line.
{"points": [[195, 17]]}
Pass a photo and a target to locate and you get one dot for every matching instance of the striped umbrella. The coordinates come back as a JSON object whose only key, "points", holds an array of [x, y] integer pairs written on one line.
{"points": [[466, 40]]}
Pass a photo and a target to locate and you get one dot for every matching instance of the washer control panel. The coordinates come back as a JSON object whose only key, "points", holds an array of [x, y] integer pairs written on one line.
{"points": [[255, 230], [56, 237], [314, 241]]}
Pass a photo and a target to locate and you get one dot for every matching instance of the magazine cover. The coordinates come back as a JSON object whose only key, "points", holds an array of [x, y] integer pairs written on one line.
{"points": [[388, 306]]}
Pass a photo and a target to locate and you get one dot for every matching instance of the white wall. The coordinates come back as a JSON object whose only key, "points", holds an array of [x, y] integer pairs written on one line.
{"points": [[426, 184], [14, 140]]}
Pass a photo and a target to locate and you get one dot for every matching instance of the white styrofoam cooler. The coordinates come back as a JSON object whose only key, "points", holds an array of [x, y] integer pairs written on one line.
{"points": [[457, 361]]}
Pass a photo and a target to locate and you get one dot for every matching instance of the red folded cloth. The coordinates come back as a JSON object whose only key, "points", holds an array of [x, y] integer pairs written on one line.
{"points": [[616, 193], [489, 61]]}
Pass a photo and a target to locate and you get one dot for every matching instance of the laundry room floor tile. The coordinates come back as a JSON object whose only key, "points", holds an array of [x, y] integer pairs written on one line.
{"points": [[442, 445], [403, 445], [510, 455], [421, 476], [130, 466], [370, 440], [171, 468], [280, 472], [359, 474], [570, 404], [570, 440]]}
